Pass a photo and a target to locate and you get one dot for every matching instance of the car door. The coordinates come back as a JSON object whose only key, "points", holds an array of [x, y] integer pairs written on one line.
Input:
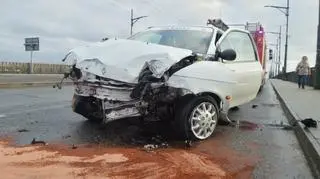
{"points": [[246, 67]]}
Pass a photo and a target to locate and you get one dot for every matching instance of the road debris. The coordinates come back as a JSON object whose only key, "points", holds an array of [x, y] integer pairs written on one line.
{"points": [[188, 143], [156, 142], [23, 130], [66, 136], [309, 122], [254, 106], [33, 122], [74, 146], [150, 147], [235, 108], [34, 141], [165, 145]]}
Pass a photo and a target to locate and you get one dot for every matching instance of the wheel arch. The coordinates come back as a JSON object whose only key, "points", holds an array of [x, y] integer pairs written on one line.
{"points": [[213, 95]]}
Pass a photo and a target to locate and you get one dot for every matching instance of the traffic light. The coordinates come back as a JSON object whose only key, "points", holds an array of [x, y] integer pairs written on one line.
{"points": [[270, 54]]}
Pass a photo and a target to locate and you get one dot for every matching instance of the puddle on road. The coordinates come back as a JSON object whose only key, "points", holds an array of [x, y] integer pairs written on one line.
{"points": [[279, 126], [270, 104], [246, 125]]}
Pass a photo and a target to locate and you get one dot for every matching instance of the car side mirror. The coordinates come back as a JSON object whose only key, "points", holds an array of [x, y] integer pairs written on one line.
{"points": [[228, 54]]}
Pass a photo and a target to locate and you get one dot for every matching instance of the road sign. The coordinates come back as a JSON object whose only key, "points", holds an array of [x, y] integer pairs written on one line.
{"points": [[32, 44]]}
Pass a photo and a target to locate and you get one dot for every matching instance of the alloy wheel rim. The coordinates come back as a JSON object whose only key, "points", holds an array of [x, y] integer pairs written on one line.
{"points": [[203, 120]]}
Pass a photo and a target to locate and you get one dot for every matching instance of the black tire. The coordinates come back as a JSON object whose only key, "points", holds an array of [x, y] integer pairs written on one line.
{"points": [[183, 110]]}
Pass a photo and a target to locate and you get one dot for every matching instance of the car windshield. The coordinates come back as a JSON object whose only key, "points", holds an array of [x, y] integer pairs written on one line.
{"points": [[196, 40]]}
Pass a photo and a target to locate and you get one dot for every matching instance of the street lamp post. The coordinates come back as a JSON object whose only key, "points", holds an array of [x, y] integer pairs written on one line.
{"points": [[133, 20], [284, 10], [317, 70]]}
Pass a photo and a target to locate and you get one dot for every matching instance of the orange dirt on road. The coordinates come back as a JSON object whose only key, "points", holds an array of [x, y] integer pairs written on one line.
{"points": [[63, 162]]}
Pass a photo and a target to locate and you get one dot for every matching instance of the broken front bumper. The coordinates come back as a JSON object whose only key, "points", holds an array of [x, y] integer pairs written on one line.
{"points": [[106, 102]]}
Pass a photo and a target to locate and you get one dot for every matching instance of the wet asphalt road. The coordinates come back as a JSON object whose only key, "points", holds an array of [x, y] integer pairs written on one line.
{"points": [[45, 113]]}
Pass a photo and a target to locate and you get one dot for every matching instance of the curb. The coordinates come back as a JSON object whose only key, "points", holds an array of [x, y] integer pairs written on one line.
{"points": [[30, 84], [308, 143]]}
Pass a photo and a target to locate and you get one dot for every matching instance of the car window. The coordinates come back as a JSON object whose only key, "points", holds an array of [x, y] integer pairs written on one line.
{"points": [[242, 44], [196, 40], [150, 37]]}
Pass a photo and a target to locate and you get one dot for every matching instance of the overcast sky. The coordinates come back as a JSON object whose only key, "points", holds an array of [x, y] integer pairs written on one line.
{"points": [[64, 24]]}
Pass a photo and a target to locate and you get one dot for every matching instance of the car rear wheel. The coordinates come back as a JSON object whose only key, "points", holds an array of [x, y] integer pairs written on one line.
{"points": [[197, 117]]}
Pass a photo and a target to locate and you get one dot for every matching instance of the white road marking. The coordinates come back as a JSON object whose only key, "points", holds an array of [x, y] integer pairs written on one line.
{"points": [[2, 115]]}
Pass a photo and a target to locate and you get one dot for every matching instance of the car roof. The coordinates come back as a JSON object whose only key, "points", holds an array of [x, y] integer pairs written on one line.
{"points": [[201, 28]]}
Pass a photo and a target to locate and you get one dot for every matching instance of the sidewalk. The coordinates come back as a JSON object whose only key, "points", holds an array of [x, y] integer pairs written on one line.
{"points": [[302, 104], [20, 80]]}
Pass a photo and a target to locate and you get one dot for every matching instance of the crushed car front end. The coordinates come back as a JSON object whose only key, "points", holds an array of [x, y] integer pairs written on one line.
{"points": [[120, 78], [102, 99], [107, 89]]}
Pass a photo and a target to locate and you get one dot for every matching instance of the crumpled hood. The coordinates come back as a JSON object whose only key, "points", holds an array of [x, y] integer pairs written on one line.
{"points": [[123, 59]]}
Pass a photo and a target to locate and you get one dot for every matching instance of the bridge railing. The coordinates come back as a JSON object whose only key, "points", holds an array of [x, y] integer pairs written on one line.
{"points": [[293, 77], [38, 68]]}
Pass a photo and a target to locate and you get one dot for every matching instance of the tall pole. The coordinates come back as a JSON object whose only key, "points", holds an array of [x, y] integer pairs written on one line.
{"points": [[31, 69], [277, 54], [284, 10], [317, 72], [279, 58], [131, 22], [286, 46]]}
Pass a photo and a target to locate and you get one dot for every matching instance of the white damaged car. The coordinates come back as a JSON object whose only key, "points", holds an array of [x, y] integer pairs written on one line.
{"points": [[191, 76]]}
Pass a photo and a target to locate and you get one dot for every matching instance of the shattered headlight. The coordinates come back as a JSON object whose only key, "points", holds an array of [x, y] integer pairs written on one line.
{"points": [[88, 76], [157, 67]]}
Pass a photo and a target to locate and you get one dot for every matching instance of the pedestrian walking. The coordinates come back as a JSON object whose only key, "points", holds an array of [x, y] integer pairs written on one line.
{"points": [[303, 70]]}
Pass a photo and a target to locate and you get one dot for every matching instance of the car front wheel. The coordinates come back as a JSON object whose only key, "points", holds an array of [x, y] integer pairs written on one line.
{"points": [[197, 117]]}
